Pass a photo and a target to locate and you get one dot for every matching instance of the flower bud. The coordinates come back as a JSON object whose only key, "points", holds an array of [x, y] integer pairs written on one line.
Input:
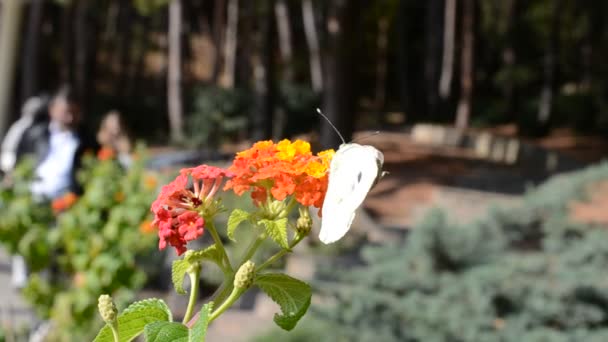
{"points": [[107, 309], [304, 222], [244, 276]]}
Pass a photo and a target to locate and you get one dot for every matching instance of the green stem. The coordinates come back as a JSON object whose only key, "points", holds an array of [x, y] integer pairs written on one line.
{"points": [[280, 253], [220, 246], [236, 294], [255, 244], [227, 288], [194, 284], [114, 328]]}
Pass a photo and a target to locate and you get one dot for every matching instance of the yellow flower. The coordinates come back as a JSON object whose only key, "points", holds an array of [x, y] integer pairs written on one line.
{"points": [[286, 150]]}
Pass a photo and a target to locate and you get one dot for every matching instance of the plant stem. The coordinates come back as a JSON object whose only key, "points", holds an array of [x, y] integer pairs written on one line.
{"points": [[227, 288], [220, 247], [114, 328], [280, 253], [252, 248], [194, 284], [236, 293]]}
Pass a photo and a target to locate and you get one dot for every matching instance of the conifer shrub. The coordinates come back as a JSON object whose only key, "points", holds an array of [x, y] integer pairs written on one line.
{"points": [[530, 273]]}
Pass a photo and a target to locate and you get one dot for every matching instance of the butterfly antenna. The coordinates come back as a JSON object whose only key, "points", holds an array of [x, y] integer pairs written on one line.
{"points": [[367, 136], [331, 124]]}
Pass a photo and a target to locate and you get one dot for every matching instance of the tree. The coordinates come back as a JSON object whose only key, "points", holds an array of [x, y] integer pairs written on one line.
{"points": [[29, 85], [467, 73], [174, 74], [262, 66], [545, 106], [339, 98], [447, 64], [230, 45], [432, 62], [312, 40], [10, 22]]}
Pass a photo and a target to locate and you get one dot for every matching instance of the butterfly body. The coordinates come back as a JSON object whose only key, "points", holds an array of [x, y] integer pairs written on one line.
{"points": [[353, 171]]}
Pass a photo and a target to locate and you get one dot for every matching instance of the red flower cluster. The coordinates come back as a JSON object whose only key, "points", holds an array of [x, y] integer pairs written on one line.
{"points": [[282, 169], [64, 202], [105, 153], [177, 208]]}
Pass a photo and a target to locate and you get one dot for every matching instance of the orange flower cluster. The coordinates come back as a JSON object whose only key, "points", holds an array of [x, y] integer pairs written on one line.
{"points": [[64, 202], [282, 169], [105, 153]]}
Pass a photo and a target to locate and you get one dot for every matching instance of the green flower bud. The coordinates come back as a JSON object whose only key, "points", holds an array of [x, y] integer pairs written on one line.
{"points": [[107, 309], [244, 276], [304, 222]]}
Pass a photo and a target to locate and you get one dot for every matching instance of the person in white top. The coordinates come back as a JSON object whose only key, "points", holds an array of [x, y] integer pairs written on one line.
{"points": [[57, 146]]}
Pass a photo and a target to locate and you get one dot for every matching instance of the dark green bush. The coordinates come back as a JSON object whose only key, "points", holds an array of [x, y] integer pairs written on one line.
{"points": [[523, 274]]}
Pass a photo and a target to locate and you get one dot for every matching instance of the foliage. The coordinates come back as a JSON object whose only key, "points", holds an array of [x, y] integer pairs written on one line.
{"points": [[524, 274], [216, 113], [88, 247]]}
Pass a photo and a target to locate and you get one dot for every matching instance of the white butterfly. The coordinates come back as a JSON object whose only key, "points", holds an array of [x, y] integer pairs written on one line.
{"points": [[353, 171]]}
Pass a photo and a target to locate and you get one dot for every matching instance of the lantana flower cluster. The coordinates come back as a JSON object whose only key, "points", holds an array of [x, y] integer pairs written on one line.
{"points": [[179, 210], [280, 170], [268, 170]]}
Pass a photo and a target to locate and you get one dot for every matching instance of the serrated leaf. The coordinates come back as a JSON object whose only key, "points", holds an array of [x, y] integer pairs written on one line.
{"points": [[199, 330], [133, 319], [178, 272], [277, 230], [292, 295], [236, 217], [210, 253], [166, 332]]}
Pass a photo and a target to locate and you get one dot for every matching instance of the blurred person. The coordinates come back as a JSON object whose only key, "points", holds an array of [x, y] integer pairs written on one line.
{"points": [[57, 146], [112, 134], [34, 111]]}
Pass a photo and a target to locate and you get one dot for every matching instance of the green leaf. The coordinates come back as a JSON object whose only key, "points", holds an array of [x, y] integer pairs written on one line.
{"points": [[210, 253], [292, 295], [133, 319], [166, 332], [199, 330], [236, 217], [178, 271], [277, 230]]}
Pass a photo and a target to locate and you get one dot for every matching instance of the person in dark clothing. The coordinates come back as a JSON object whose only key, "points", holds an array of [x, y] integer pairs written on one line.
{"points": [[57, 146]]}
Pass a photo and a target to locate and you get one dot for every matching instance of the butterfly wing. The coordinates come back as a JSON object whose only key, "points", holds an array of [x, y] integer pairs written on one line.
{"points": [[352, 173]]}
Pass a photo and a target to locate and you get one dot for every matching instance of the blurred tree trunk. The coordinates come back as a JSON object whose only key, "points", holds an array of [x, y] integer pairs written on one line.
{"points": [[10, 23], [125, 27], [67, 43], [467, 72], [402, 59], [339, 101], [174, 72], [262, 67], [449, 35], [140, 59], [219, 12], [31, 55], [312, 40], [432, 63], [227, 77], [281, 13], [508, 56], [545, 106], [85, 31], [381, 64]]}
